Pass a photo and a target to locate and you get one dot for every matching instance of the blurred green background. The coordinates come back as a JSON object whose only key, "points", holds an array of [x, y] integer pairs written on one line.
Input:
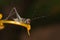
{"points": [[32, 8]]}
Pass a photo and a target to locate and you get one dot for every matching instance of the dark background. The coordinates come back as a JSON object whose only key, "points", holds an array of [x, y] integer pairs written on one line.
{"points": [[45, 16]]}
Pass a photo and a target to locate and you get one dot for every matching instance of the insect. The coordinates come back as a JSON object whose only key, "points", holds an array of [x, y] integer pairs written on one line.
{"points": [[17, 21]]}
